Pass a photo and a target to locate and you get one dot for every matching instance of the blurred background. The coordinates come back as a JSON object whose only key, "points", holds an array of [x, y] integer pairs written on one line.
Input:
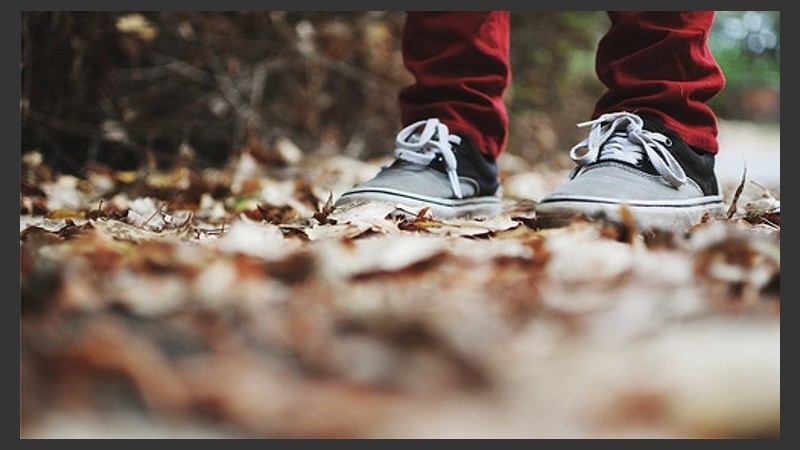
{"points": [[127, 89]]}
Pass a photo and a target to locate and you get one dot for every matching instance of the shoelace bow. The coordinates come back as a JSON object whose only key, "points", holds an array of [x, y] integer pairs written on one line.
{"points": [[620, 136], [422, 147]]}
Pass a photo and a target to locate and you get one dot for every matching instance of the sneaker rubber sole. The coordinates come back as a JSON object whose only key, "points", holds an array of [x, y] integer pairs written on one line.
{"points": [[667, 215], [442, 208]]}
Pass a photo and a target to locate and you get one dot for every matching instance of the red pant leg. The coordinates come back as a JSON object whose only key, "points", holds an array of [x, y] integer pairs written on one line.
{"points": [[658, 63], [460, 61]]}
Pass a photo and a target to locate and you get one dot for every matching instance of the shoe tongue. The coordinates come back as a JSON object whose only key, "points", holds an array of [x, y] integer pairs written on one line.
{"points": [[619, 148]]}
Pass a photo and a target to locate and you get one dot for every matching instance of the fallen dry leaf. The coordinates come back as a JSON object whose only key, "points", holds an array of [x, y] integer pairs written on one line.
{"points": [[239, 299]]}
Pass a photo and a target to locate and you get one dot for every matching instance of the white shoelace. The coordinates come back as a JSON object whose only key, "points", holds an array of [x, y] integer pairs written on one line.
{"points": [[421, 147], [620, 136]]}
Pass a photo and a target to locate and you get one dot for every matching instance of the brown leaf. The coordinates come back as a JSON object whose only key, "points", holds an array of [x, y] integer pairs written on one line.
{"points": [[304, 193], [70, 230], [106, 212], [275, 215], [322, 214], [106, 349], [296, 268]]}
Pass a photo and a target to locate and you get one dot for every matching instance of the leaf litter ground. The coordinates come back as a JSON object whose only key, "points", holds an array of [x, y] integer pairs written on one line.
{"points": [[236, 302]]}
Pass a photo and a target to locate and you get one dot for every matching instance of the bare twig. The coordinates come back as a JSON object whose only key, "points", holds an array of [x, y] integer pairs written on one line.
{"points": [[354, 72], [229, 90], [732, 209], [81, 129], [152, 216], [155, 72], [259, 79]]}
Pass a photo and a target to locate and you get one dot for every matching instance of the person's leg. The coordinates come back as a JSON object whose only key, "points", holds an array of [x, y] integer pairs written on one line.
{"points": [[455, 122], [653, 136], [659, 64], [460, 63]]}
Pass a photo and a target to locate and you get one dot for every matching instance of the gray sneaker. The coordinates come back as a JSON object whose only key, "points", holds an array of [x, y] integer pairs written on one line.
{"points": [[433, 168], [635, 161]]}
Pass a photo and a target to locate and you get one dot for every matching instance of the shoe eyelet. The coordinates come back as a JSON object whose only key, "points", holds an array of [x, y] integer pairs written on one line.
{"points": [[668, 143]]}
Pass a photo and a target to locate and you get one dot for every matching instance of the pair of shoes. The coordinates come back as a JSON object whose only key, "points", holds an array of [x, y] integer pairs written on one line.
{"points": [[626, 159]]}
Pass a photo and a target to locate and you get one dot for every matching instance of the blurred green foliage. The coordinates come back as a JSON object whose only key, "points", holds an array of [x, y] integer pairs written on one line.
{"points": [[746, 44]]}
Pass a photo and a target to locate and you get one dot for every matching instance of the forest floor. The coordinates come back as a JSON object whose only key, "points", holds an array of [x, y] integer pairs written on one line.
{"points": [[234, 302]]}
